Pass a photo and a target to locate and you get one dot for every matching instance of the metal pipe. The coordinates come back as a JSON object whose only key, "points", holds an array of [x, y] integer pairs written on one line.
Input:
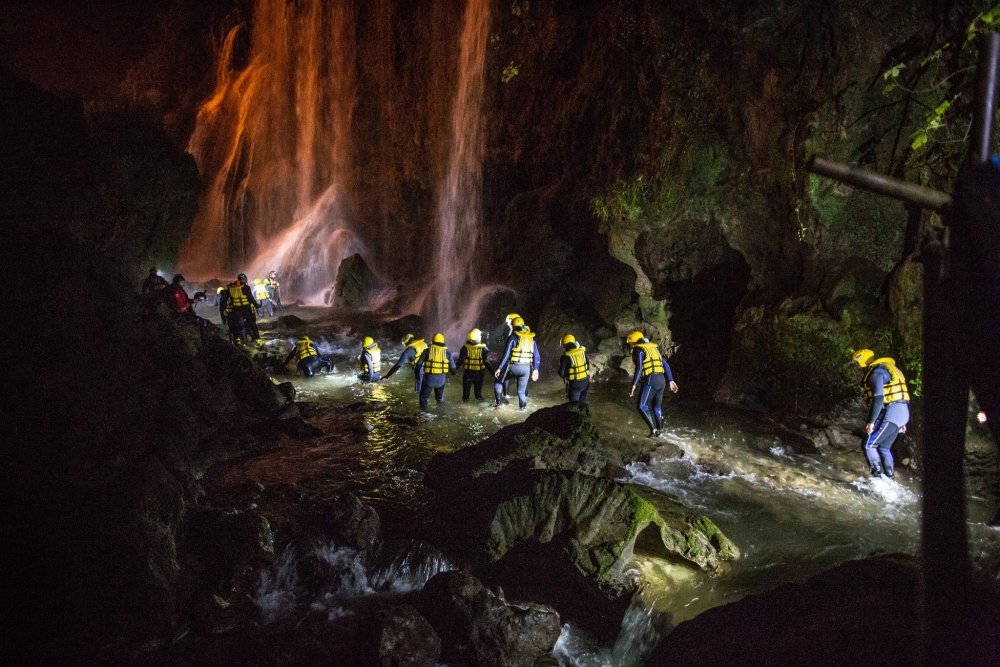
{"points": [[981, 134], [879, 184]]}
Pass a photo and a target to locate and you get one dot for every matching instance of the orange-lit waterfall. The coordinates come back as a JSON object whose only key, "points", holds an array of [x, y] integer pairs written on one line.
{"points": [[459, 203], [273, 145]]}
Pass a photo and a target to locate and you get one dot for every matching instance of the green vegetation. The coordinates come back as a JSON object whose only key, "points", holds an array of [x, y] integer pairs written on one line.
{"points": [[509, 72]]}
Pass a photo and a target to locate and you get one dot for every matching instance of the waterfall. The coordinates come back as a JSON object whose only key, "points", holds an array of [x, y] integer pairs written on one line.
{"points": [[459, 200], [273, 145]]}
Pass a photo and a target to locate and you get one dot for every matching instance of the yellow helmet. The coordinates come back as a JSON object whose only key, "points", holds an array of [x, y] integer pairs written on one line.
{"points": [[475, 335], [511, 317], [305, 339], [634, 337], [517, 321], [257, 281], [368, 342], [862, 357], [567, 339], [220, 290], [407, 339], [439, 338]]}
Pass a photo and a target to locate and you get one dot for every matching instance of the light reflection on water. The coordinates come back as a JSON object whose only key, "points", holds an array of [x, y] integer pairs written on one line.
{"points": [[792, 515]]}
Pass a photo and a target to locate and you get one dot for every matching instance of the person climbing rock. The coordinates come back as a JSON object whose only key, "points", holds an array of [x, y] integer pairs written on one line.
{"points": [[432, 366], [414, 348], [473, 359], [240, 307], [307, 359], [652, 373], [520, 361], [263, 296], [574, 369], [370, 361], [888, 409], [154, 282], [274, 290]]}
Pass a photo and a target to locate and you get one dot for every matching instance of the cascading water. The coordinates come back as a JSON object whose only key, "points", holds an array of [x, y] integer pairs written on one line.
{"points": [[273, 143], [459, 200]]}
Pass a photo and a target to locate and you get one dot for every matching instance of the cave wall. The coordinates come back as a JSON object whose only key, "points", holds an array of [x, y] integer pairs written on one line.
{"points": [[674, 137]]}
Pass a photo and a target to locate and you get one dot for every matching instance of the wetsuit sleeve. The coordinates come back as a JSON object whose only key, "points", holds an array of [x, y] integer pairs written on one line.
{"points": [[876, 382], [451, 363], [637, 356], [420, 363], [536, 362], [564, 366], [507, 352], [666, 370], [486, 361], [403, 358], [291, 355], [371, 367], [248, 293], [461, 356]]}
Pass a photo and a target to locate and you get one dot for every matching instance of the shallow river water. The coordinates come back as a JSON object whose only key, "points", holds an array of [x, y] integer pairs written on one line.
{"points": [[791, 515]]}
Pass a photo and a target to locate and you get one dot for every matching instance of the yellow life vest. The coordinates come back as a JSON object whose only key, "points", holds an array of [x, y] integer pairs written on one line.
{"points": [[895, 390], [474, 360], [652, 362], [260, 292], [305, 349], [376, 355], [271, 282], [418, 348], [524, 351], [437, 360], [237, 297], [578, 366]]}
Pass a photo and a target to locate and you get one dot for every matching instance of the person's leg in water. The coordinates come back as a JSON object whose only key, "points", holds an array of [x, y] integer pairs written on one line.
{"points": [[498, 394], [425, 393], [325, 364], [477, 383], [439, 394], [878, 449], [576, 390], [521, 372], [309, 366], [467, 381]]}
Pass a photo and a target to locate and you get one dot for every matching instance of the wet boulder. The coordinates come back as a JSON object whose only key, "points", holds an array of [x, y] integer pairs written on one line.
{"points": [[356, 285], [221, 611], [404, 638], [480, 627], [352, 523], [231, 545], [828, 621]]}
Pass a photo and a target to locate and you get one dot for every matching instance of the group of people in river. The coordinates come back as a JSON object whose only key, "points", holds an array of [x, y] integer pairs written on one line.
{"points": [[241, 301], [519, 362]]}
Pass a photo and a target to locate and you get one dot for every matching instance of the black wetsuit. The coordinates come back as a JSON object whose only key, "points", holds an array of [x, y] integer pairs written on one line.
{"points": [[576, 390], [473, 379], [520, 372], [652, 387], [435, 381]]}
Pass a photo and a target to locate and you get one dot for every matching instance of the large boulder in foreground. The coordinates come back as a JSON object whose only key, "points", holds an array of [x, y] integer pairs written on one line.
{"points": [[527, 507], [860, 613], [478, 626]]}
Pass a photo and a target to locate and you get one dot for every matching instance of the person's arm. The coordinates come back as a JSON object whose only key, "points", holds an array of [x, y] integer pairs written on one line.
{"points": [[564, 362], [248, 293], [407, 355], [486, 360], [537, 358], [670, 376], [506, 356], [462, 354], [451, 362], [876, 382], [637, 357], [371, 367]]}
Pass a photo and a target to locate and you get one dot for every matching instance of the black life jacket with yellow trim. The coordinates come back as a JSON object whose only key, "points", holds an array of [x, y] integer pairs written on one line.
{"points": [[524, 351], [376, 354], [652, 361], [578, 365], [474, 360], [895, 389], [437, 360], [237, 297], [305, 349], [418, 348]]}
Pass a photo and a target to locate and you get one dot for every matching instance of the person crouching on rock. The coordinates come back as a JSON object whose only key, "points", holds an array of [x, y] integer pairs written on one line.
{"points": [[888, 412], [652, 372], [472, 358], [520, 361], [574, 369], [307, 358], [432, 366], [370, 361], [181, 303], [414, 348]]}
